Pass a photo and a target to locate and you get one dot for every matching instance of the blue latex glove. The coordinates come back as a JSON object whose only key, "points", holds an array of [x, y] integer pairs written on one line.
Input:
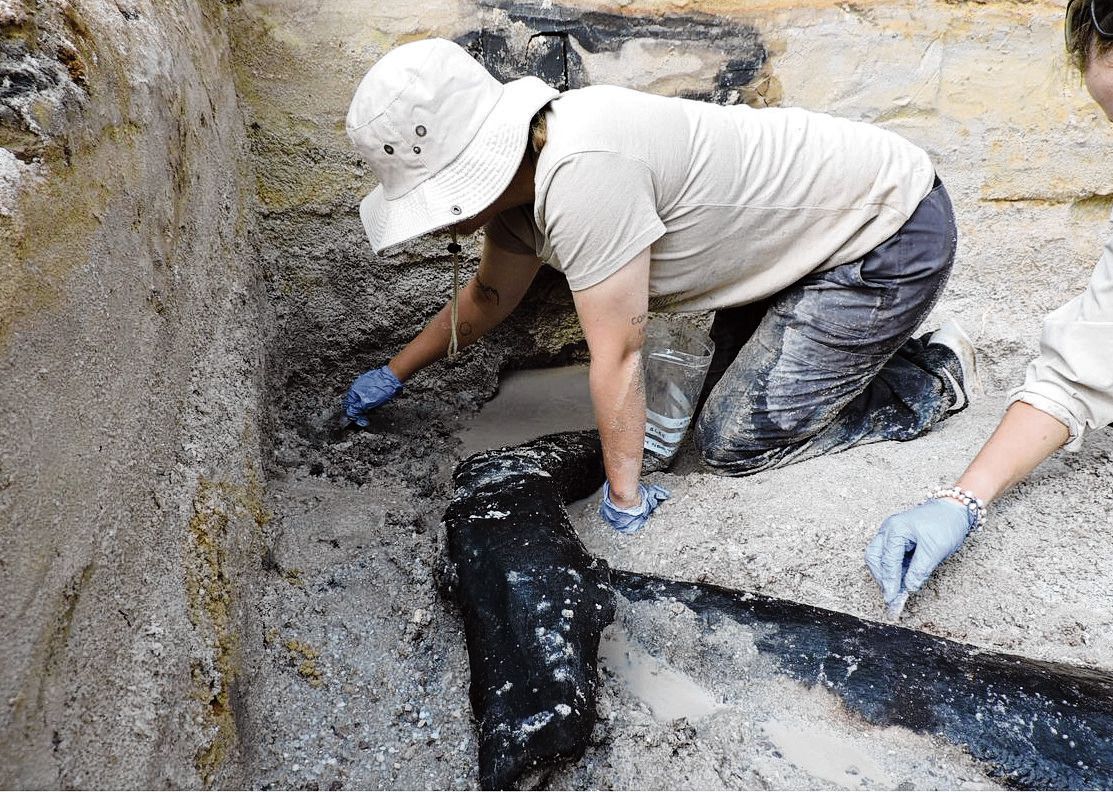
{"points": [[370, 390], [629, 520], [910, 545]]}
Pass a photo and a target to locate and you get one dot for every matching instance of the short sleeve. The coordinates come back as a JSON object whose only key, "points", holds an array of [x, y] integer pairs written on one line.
{"points": [[514, 231], [598, 210]]}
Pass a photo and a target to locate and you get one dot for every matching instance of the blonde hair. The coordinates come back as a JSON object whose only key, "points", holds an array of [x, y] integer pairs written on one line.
{"points": [[538, 131]]}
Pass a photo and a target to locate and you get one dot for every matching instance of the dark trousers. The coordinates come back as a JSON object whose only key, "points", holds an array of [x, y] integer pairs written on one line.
{"points": [[830, 362]]}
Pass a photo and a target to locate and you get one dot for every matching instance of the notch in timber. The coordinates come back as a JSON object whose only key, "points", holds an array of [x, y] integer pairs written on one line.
{"points": [[543, 61]]}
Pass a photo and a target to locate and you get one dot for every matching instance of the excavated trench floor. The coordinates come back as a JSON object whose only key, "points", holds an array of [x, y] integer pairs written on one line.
{"points": [[361, 671]]}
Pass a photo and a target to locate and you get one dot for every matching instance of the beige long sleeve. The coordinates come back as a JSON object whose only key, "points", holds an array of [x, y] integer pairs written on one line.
{"points": [[1072, 379]]}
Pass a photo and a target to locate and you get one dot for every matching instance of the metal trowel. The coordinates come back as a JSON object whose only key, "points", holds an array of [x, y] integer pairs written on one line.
{"points": [[330, 425]]}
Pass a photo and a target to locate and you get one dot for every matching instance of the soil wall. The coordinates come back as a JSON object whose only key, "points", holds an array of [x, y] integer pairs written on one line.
{"points": [[130, 481]]}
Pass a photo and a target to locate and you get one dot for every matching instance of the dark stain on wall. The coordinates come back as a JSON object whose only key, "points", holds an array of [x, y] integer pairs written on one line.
{"points": [[551, 53]]}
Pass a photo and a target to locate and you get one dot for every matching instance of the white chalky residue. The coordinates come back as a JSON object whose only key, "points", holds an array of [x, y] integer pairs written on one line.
{"points": [[554, 645], [568, 614], [563, 710], [544, 605], [514, 577], [497, 515], [535, 722], [505, 688]]}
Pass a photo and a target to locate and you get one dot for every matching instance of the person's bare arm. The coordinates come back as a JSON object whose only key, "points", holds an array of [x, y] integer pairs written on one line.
{"points": [[613, 316], [1025, 437], [487, 299]]}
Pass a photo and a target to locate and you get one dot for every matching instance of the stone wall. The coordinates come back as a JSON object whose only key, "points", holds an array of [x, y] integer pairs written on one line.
{"points": [[130, 483]]}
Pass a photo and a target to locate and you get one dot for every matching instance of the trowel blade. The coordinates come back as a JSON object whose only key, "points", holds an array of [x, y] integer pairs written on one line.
{"points": [[331, 424]]}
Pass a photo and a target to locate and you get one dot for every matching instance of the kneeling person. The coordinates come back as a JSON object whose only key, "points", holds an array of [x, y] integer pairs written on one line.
{"points": [[819, 243]]}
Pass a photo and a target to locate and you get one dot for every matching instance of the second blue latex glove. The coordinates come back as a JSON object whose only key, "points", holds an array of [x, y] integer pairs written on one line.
{"points": [[910, 545], [629, 520], [370, 390]]}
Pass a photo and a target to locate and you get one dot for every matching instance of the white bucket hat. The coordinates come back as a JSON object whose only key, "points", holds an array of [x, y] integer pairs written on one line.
{"points": [[443, 136]]}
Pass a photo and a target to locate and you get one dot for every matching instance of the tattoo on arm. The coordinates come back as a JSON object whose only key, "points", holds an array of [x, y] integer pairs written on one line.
{"points": [[640, 323], [488, 292], [465, 329]]}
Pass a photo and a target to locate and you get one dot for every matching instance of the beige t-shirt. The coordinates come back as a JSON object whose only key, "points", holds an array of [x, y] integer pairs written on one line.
{"points": [[734, 203]]}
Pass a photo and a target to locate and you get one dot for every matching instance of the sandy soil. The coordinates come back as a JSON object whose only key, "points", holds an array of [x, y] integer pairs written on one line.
{"points": [[763, 731], [363, 673], [1033, 582]]}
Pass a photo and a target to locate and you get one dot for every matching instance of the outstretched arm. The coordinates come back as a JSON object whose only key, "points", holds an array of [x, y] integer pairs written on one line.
{"points": [[488, 298], [910, 545], [1025, 437], [613, 315]]}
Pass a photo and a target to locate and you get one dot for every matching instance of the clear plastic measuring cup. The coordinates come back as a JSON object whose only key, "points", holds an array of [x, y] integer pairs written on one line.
{"points": [[677, 356]]}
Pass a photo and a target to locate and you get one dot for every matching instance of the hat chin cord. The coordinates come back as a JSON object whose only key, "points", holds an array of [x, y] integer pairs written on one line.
{"points": [[454, 341]]}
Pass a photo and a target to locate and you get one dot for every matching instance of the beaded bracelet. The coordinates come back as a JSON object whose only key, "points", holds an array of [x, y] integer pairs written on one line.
{"points": [[974, 504]]}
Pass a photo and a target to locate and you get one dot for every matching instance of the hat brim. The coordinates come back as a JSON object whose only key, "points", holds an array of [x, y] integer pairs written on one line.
{"points": [[470, 183]]}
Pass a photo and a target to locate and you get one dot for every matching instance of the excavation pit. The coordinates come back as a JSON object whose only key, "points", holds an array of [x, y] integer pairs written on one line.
{"points": [[187, 286]]}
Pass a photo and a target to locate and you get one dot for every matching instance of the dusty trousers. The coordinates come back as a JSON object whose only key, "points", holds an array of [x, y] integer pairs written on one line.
{"points": [[830, 362]]}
